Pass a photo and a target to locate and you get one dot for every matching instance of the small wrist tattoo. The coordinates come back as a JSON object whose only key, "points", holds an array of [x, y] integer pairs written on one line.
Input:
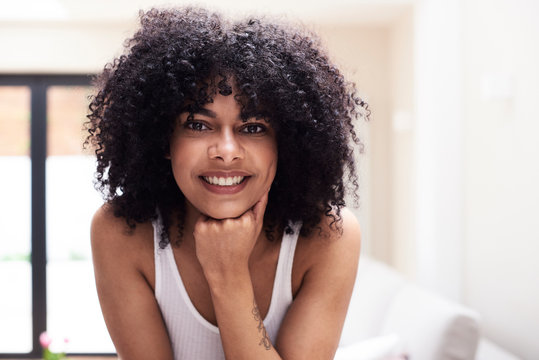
{"points": [[265, 341]]}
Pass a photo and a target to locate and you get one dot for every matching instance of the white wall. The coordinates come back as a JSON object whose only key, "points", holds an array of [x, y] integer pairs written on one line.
{"points": [[476, 162], [501, 167], [401, 135], [461, 134], [60, 47], [438, 146], [363, 54], [475, 168]]}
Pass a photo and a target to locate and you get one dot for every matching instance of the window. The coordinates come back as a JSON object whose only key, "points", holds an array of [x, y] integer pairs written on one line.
{"points": [[47, 203], [15, 266]]}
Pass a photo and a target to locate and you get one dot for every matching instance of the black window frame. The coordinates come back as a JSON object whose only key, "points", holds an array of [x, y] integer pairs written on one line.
{"points": [[38, 85]]}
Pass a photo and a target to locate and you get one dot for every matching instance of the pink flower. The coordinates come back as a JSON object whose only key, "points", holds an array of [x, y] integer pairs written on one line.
{"points": [[45, 340]]}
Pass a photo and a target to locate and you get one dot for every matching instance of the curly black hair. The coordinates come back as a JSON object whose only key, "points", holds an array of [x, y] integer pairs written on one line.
{"points": [[185, 56]]}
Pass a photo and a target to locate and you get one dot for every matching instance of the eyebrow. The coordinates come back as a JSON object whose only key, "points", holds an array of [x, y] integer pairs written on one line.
{"points": [[205, 112], [212, 114]]}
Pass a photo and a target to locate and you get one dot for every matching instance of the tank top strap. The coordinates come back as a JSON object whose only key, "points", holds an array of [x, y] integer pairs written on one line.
{"points": [[282, 290], [159, 254]]}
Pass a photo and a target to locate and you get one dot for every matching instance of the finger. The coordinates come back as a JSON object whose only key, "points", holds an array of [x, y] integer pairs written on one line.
{"points": [[201, 218]]}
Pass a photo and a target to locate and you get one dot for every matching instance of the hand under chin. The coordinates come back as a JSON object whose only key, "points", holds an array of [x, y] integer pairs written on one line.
{"points": [[223, 214]]}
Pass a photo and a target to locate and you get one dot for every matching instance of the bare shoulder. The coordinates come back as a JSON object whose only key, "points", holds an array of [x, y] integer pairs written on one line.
{"points": [[111, 237], [105, 223], [345, 232], [334, 237], [331, 247], [125, 277]]}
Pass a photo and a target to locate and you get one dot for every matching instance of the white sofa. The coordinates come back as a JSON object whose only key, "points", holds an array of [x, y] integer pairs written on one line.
{"points": [[390, 318]]}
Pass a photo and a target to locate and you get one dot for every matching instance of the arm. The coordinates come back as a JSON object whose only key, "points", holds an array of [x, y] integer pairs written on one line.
{"points": [[127, 300], [223, 248], [240, 324], [312, 327], [313, 324]]}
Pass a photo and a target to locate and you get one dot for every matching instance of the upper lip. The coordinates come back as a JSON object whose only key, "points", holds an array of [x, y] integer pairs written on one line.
{"points": [[224, 174]]}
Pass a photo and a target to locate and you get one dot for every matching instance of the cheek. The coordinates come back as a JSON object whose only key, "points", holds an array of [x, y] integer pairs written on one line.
{"points": [[273, 167], [182, 160], [274, 153], [270, 160]]}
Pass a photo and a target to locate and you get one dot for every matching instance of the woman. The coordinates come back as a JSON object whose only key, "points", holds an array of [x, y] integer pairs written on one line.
{"points": [[223, 153]]}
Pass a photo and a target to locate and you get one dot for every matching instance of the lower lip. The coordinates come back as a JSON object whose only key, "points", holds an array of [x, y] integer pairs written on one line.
{"points": [[225, 190]]}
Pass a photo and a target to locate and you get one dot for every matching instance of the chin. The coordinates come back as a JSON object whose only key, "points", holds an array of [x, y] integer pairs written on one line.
{"points": [[225, 212]]}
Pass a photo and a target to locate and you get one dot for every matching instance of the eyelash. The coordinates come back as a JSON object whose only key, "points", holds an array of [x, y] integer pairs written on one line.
{"points": [[260, 128], [190, 125]]}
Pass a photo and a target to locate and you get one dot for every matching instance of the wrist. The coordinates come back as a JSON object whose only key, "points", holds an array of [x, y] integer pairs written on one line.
{"points": [[227, 279]]}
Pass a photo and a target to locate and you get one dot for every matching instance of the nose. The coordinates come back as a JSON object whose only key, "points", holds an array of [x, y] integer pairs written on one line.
{"points": [[226, 147]]}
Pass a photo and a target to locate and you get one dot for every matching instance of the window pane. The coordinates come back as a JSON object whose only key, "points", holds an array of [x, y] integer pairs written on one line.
{"points": [[15, 267], [73, 308]]}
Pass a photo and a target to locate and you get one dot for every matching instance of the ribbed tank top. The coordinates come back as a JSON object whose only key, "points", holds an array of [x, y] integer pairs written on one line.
{"points": [[192, 336]]}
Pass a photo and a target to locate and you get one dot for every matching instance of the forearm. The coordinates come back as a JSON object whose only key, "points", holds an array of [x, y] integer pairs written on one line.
{"points": [[241, 326]]}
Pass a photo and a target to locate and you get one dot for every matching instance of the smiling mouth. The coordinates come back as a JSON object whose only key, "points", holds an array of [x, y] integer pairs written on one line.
{"points": [[224, 181]]}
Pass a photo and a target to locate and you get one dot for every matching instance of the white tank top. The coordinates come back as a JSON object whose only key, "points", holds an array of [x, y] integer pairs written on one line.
{"points": [[192, 336]]}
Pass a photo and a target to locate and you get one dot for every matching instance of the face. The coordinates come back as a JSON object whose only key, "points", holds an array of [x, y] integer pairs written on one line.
{"points": [[221, 164]]}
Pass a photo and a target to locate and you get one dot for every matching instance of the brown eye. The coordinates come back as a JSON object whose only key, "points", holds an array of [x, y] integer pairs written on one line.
{"points": [[253, 129], [195, 126]]}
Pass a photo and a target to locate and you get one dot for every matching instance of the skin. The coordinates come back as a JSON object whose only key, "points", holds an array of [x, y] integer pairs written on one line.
{"points": [[227, 264], [216, 140]]}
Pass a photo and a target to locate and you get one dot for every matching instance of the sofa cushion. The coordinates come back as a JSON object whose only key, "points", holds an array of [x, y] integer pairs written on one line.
{"points": [[378, 348], [376, 286], [432, 327], [489, 351]]}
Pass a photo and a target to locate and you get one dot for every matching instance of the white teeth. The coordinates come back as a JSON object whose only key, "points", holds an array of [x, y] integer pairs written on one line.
{"points": [[221, 181]]}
